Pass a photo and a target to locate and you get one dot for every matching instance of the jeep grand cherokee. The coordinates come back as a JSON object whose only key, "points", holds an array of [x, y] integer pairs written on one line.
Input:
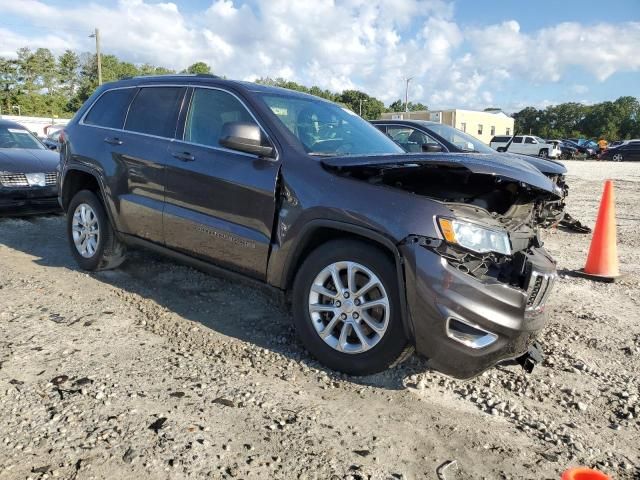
{"points": [[378, 250]]}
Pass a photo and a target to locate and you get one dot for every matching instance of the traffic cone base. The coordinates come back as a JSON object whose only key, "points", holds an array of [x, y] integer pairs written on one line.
{"points": [[599, 278]]}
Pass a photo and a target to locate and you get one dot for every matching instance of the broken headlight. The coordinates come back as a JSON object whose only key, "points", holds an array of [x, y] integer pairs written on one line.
{"points": [[474, 237]]}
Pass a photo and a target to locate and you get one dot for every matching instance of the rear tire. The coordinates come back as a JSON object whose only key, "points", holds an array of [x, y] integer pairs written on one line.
{"points": [[334, 322], [93, 241]]}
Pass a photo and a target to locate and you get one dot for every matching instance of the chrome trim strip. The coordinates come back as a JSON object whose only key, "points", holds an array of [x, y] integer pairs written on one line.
{"points": [[480, 341]]}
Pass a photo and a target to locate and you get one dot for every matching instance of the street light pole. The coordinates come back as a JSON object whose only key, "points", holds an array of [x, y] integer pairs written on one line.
{"points": [[361, 100], [96, 35], [406, 94]]}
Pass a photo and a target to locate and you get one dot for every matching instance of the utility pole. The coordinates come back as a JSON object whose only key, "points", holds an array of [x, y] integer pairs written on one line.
{"points": [[406, 94], [361, 100], [96, 35]]}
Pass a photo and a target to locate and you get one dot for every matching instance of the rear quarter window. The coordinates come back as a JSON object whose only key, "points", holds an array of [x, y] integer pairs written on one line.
{"points": [[110, 109]]}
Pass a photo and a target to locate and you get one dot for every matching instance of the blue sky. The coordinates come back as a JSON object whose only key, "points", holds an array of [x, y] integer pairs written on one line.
{"points": [[463, 53]]}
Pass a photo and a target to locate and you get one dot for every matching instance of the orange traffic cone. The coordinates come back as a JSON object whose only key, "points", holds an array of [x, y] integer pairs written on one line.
{"points": [[583, 473], [602, 261]]}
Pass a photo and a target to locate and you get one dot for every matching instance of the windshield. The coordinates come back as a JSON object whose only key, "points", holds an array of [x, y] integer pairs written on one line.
{"points": [[15, 137], [326, 129], [461, 140]]}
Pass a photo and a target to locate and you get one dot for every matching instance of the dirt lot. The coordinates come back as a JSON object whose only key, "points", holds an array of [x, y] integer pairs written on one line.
{"points": [[157, 371]]}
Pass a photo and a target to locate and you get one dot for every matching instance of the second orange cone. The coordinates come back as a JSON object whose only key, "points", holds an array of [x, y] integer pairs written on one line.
{"points": [[602, 261]]}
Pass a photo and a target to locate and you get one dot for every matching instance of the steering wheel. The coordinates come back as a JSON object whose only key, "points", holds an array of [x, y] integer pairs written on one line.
{"points": [[345, 148]]}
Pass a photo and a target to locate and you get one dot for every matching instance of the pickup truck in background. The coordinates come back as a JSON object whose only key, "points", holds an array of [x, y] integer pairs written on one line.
{"points": [[526, 145]]}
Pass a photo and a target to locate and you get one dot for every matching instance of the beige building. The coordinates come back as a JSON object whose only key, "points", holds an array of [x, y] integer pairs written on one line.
{"points": [[482, 125]]}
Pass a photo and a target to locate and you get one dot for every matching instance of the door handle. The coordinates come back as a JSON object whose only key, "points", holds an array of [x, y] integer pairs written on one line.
{"points": [[184, 156], [113, 140]]}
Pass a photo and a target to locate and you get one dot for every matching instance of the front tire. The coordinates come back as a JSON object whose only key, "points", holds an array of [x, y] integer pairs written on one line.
{"points": [[617, 157], [93, 241], [346, 308], [544, 153]]}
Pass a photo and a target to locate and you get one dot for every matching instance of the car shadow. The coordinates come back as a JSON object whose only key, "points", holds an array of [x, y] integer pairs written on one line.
{"points": [[230, 308]]}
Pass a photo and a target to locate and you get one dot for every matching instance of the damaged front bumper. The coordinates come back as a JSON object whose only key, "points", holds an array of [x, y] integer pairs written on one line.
{"points": [[464, 324]]}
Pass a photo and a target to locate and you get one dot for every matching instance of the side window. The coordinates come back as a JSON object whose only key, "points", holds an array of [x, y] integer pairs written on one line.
{"points": [[410, 139], [517, 139], [110, 109], [154, 111], [480, 129], [528, 140], [209, 111]]}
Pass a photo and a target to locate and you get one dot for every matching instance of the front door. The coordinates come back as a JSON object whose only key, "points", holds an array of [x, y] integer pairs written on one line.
{"points": [[220, 204]]}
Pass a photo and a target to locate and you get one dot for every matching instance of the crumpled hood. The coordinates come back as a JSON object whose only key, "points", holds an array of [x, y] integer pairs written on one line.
{"points": [[23, 160], [507, 166], [546, 166]]}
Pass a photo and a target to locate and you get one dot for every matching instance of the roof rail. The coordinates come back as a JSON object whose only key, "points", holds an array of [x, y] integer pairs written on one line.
{"points": [[205, 75]]}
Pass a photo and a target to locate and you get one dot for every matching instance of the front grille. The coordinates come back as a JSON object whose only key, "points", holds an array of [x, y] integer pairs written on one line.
{"points": [[540, 286], [14, 180], [20, 179], [50, 178]]}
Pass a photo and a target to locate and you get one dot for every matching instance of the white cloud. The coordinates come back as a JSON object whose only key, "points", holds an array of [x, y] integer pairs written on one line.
{"points": [[366, 44]]}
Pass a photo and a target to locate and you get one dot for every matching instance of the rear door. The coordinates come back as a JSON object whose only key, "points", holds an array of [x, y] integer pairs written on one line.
{"points": [[632, 151], [220, 203], [142, 152], [517, 145]]}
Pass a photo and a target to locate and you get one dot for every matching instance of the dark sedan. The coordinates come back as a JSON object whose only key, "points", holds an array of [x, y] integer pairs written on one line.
{"points": [[626, 152], [27, 172], [423, 136]]}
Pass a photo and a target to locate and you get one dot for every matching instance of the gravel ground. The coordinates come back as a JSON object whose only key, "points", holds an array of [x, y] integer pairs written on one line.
{"points": [[158, 371]]}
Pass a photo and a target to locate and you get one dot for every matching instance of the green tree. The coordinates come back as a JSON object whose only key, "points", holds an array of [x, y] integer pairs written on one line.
{"points": [[198, 68], [398, 106], [372, 108], [68, 72]]}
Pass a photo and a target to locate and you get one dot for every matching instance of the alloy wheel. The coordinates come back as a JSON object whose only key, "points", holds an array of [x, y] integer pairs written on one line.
{"points": [[85, 230], [349, 307]]}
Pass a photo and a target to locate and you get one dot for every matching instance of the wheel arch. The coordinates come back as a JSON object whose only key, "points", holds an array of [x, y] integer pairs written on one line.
{"points": [[319, 232], [76, 179]]}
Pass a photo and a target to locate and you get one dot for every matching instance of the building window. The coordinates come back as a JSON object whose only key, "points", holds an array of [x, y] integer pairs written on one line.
{"points": [[464, 127], [479, 129], [508, 131], [493, 130]]}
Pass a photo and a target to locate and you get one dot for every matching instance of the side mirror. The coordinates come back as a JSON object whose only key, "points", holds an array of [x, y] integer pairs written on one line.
{"points": [[431, 148], [244, 137]]}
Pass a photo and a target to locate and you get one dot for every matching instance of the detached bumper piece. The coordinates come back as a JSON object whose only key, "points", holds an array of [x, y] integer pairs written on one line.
{"points": [[530, 359]]}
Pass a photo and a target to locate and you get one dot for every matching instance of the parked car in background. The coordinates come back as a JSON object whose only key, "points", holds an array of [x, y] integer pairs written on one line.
{"points": [[628, 151], [431, 137], [51, 140], [525, 145], [567, 151], [378, 250], [587, 152], [27, 172]]}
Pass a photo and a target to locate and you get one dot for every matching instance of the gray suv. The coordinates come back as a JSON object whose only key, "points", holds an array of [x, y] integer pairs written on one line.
{"points": [[379, 251]]}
